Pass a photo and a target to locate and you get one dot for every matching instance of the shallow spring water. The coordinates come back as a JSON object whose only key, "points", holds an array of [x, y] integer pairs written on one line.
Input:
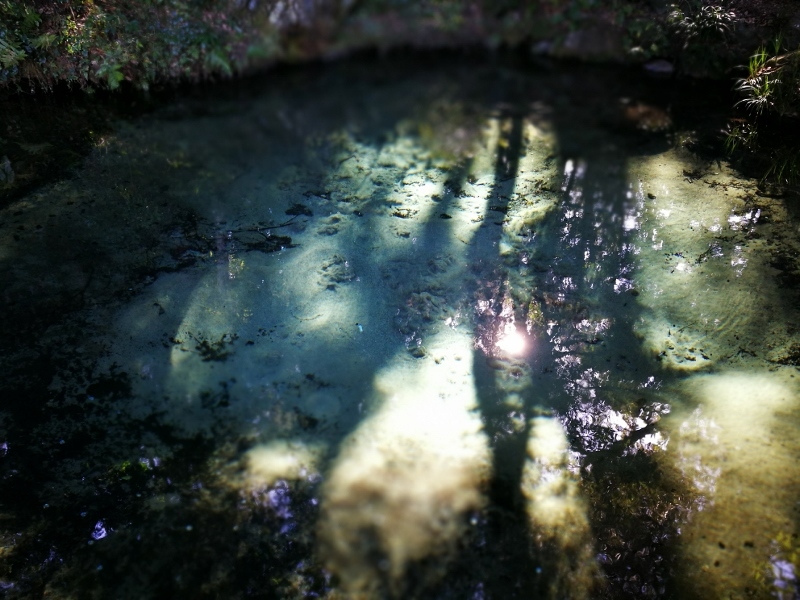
{"points": [[382, 331]]}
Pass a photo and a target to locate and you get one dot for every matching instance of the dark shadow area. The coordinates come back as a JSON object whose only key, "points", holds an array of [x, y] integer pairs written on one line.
{"points": [[46, 136]]}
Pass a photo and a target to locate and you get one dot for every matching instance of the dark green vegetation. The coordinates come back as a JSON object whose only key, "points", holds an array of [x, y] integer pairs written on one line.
{"points": [[704, 32], [106, 44]]}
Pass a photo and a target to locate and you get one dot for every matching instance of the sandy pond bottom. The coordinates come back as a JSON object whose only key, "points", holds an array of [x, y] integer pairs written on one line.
{"points": [[390, 332]]}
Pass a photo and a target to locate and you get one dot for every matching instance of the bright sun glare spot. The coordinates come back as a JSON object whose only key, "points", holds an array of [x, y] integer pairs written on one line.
{"points": [[511, 343]]}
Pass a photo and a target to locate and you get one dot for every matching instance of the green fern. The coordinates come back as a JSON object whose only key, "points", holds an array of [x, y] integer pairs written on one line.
{"points": [[44, 41], [30, 20], [10, 55], [216, 61], [110, 71]]}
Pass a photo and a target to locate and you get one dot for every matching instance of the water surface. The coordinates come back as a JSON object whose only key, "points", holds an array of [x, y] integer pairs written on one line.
{"points": [[374, 330]]}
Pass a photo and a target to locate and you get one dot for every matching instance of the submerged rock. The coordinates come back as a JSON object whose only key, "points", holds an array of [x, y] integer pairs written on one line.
{"points": [[659, 66], [418, 352], [299, 209]]}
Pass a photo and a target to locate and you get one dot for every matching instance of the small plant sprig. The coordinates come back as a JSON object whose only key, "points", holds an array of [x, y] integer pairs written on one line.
{"points": [[772, 82], [771, 96]]}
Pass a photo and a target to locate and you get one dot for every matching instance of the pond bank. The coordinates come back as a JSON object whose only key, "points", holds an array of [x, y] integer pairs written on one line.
{"points": [[154, 43]]}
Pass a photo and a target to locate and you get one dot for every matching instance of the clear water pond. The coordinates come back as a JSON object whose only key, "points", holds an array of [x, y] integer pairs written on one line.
{"points": [[391, 329]]}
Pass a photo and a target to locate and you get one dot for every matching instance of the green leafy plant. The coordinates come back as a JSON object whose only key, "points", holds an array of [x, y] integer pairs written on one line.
{"points": [[772, 82], [103, 44], [644, 38], [741, 135], [10, 54], [771, 98], [44, 41], [701, 23], [701, 33], [110, 71], [785, 166]]}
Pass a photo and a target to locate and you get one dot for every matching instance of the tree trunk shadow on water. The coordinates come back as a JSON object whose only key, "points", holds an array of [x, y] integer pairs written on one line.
{"points": [[512, 572], [591, 367], [581, 547], [533, 554], [506, 554]]}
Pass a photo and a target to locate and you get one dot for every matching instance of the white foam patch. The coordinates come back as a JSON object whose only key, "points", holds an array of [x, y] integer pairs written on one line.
{"points": [[399, 490]]}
